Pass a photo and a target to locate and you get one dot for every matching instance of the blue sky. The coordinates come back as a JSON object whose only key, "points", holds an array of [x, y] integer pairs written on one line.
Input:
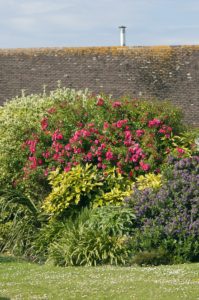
{"points": [[76, 23]]}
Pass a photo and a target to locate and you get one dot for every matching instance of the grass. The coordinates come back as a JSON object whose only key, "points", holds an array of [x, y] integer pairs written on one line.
{"points": [[24, 280]]}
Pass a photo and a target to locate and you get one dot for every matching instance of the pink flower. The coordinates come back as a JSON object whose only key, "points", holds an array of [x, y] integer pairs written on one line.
{"points": [[120, 123], [34, 162], [57, 135], [46, 171], [56, 156], [144, 167], [162, 131], [127, 134], [57, 146], [46, 154], [180, 150], [117, 104], [96, 142], [134, 158], [154, 123], [100, 102], [77, 150], [103, 146], [89, 156], [32, 145], [109, 155], [85, 133], [68, 167], [139, 132], [91, 124], [40, 162], [68, 147], [106, 125]]}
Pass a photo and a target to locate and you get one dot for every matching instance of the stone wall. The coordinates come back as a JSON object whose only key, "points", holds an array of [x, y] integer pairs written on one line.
{"points": [[170, 73]]}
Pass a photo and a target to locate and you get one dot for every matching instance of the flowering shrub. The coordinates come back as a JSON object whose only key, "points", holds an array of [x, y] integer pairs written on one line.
{"points": [[74, 149], [168, 217], [18, 119], [133, 136]]}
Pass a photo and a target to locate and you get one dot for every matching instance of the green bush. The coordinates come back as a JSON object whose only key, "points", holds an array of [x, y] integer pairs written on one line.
{"points": [[98, 236], [153, 257], [18, 222]]}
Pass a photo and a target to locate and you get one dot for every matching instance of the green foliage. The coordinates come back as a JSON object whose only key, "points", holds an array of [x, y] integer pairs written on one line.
{"points": [[149, 180], [48, 233], [5, 229], [99, 236], [71, 188], [84, 186], [153, 257], [19, 222]]}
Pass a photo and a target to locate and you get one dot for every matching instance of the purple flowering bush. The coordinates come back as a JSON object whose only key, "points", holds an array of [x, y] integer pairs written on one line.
{"points": [[168, 218]]}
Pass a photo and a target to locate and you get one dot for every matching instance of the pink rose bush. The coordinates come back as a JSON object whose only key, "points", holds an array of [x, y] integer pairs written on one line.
{"points": [[118, 134]]}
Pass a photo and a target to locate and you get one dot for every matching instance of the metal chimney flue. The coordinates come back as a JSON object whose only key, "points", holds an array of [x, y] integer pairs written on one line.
{"points": [[122, 35]]}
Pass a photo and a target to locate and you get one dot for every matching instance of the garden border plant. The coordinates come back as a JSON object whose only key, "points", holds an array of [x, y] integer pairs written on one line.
{"points": [[70, 150]]}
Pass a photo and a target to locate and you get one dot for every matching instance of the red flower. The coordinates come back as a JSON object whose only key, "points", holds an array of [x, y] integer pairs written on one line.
{"points": [[44, 123], [100, 102], [131, 173]]}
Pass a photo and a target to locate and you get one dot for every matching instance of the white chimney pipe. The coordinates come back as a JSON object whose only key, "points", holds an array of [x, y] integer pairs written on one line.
{"points": [[122, 36]]}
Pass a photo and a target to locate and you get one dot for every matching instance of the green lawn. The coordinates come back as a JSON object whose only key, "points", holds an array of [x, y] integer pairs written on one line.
{"points": [[22, 280]]}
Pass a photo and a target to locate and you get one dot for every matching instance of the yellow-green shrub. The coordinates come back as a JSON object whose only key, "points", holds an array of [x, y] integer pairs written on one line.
{"points": [[150, 180], [85, 186], [69, 188]]}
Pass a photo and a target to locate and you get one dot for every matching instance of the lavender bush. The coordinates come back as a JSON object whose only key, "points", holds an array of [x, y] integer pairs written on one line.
{"points": [[169, 218]]}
